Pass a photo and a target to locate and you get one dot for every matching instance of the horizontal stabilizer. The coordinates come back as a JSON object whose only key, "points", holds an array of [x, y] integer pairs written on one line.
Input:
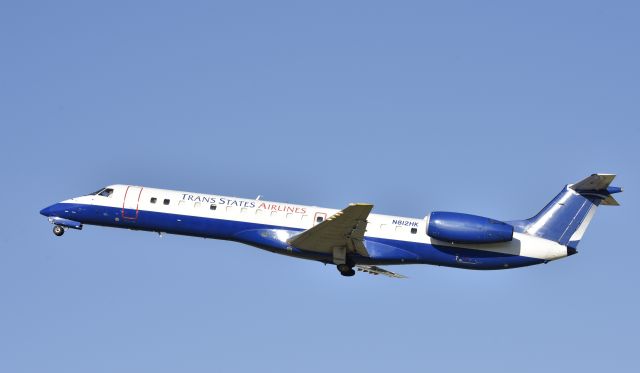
{"points": [[595, 182], [598, 186], [610, 201]]}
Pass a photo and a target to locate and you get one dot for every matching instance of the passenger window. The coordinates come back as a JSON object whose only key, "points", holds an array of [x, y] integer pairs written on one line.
{"points": [[166, 201], [212, 207], [181, 203], [153, 199], [106, 193], [196, 205], [414, 230], [319, 217]]}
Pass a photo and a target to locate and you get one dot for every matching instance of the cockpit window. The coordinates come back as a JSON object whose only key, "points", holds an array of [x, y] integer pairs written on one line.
{"points": [[106, 193], [96, 192]]}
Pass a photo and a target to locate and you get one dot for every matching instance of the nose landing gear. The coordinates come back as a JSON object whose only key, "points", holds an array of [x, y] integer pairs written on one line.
{"points": [[58, 230]]}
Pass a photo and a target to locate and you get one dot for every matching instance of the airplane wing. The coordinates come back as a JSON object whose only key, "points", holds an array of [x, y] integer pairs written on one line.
{"points": [[378, 271], [343, 229]]}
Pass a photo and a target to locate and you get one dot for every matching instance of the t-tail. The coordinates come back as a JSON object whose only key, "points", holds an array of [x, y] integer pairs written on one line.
{"points": [[567, 216]]}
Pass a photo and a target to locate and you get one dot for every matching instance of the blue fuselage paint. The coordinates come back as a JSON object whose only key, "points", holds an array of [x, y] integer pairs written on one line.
{"points": [[381, 251]]}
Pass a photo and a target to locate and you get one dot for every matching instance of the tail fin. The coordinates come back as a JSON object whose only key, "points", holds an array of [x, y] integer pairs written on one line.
{"points": [[567, 216]]}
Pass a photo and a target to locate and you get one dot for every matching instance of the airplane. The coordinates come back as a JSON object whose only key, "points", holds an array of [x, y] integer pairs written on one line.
{"points": [[352, 237]]}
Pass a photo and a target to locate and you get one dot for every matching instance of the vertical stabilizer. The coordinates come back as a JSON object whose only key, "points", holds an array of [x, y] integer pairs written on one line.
{"points": [[567, 216]]}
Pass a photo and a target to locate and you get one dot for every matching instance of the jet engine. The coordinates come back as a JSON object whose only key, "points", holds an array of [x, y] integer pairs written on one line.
{"points": [[465, 228]]}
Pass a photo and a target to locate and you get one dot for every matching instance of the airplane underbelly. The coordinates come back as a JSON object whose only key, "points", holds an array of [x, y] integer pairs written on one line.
{"points": [[384, 251]]}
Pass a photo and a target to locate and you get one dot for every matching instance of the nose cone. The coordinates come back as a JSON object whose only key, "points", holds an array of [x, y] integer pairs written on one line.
{"points": [[48, 211]]}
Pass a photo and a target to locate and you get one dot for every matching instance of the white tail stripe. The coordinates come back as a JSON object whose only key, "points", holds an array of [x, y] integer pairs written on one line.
{"points": [[577, 235]]}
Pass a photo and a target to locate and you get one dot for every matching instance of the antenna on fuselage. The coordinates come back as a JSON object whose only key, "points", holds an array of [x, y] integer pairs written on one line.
{"points": [[258, 197]]}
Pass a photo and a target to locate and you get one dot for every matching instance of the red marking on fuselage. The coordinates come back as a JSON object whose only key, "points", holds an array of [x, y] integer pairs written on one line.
{"points": [[137, 204]]}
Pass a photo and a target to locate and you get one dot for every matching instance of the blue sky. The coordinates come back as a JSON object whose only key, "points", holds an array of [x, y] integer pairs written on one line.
{"points": [[413, 106]]}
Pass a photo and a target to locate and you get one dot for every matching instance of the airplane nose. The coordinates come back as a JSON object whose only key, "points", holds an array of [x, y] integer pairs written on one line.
{"points": [[47, 211]]}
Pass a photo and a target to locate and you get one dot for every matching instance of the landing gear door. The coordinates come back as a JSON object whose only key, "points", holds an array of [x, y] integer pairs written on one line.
{"points": [[131, 201]]}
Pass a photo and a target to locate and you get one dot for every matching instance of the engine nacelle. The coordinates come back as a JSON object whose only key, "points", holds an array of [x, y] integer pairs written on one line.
{"points": [[465, 228]]}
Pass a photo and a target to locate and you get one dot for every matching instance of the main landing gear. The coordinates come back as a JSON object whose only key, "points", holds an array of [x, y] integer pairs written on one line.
{"points": [[343, 262], [58, 230], [346, 270]]}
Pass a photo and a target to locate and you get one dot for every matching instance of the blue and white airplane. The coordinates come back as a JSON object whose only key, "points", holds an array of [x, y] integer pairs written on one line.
{"points": [[352, 237]]}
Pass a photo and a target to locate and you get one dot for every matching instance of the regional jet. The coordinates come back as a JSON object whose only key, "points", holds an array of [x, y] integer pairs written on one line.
{"points": [[352, 238]]}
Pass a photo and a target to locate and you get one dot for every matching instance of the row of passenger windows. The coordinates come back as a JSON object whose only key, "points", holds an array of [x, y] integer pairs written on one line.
{"points": [[167, 201], [319, 219]]}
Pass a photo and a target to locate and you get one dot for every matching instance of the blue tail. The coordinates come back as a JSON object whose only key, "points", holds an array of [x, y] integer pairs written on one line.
{"points": [[567, 216]]}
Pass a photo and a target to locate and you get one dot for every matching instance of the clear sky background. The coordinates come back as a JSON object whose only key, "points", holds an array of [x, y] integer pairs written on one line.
{"points": [[486, 108]]}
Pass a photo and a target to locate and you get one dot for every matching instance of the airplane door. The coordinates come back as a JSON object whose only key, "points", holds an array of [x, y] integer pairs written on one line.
{"points": [[131, 201]]}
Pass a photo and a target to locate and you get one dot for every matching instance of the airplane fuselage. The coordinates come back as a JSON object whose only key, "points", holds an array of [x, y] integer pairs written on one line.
{"points": [[270, 225]]}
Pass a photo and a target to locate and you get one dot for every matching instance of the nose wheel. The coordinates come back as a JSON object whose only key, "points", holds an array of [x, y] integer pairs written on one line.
{"points": [[58, 230]]}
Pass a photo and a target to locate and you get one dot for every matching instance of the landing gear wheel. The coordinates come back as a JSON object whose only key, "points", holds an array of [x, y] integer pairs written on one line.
{"points": [[58, 230], [348, 273], [346, 270]]}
